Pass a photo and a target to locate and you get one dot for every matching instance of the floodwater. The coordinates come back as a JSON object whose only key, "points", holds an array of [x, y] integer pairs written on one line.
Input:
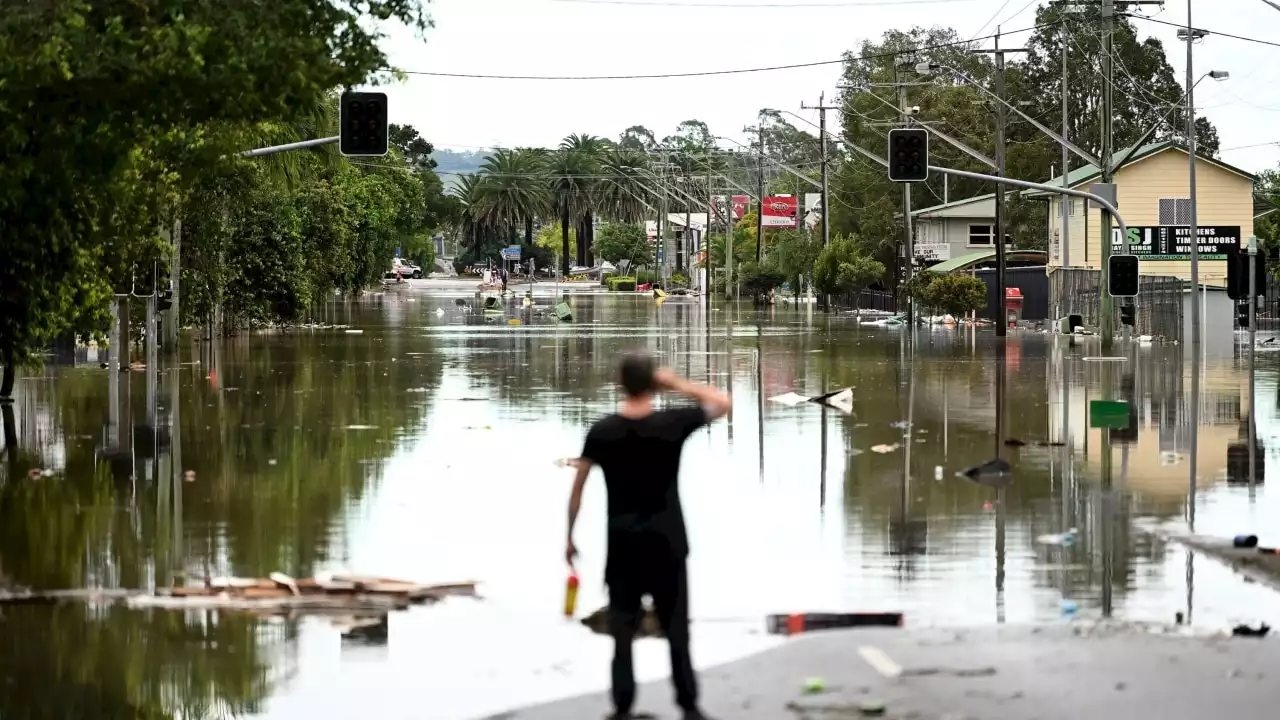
{"points": [[423, 447]]}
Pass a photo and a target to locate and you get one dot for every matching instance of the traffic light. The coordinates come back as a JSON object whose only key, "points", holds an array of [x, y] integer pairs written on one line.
{"points": [[1238, 275], [908, 154], [1242, 313], [1127, 313], [1122, 276], [364, 124]]}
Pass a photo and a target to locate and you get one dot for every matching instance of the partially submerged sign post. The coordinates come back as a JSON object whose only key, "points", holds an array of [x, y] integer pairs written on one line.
{"points": [[1108, 414]]}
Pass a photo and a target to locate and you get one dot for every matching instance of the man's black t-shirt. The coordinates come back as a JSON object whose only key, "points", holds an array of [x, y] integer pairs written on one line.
{"points": [[640, 458]]}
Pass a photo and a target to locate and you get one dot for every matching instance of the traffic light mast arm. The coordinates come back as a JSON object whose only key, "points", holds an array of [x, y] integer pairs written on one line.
{"points": [[303, 145], [1055, 189]]}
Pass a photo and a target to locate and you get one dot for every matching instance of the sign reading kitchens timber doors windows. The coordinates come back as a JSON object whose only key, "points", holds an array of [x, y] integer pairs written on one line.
{"points": [[1172, 242]]}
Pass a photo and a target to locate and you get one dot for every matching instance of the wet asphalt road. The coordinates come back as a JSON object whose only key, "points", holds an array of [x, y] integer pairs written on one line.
{"points": [[1084, 670]]}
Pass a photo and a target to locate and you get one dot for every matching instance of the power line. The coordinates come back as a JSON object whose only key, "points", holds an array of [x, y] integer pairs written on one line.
{"points": [[751, 6], [707, 73], [1211, 32], [1255, 145]]}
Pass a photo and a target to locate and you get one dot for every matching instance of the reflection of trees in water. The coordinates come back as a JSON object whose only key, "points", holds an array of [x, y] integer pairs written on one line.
{"points": [[296, 397], [66, 661], [287, 398]]}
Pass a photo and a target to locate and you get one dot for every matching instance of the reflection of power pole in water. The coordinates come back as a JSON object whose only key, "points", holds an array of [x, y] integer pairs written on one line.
{"points": [[760, 396], [1001, 379], [1105, 518]]}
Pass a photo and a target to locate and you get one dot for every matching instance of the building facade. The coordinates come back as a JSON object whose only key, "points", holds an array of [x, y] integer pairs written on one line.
{"points": [[1152, 189], [955, 229]]}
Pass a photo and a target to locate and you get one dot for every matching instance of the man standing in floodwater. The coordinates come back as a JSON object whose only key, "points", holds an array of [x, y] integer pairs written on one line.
{"points": [[638, 448]]}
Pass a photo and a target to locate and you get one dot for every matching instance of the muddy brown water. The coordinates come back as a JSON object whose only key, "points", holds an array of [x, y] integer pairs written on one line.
{"points": [[424, 447]]}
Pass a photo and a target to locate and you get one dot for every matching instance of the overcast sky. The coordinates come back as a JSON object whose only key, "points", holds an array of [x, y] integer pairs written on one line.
{"points": [[634, 37]]}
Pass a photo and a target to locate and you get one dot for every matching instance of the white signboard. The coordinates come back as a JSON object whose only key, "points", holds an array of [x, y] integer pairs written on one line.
{"points": [[812, 209], [933, 252]]}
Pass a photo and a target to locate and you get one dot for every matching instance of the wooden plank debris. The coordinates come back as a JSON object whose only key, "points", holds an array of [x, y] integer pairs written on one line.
{"points": [[279, 593]]}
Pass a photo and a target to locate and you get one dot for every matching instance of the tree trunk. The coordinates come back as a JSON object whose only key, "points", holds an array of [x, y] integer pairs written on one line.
{"points": [[590, 224], [582, 242], [10, 374], [528, 231], [564, 241]]}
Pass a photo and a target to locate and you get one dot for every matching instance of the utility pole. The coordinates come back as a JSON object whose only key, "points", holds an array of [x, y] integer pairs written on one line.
{"points": [[822, 134], [662, 219], [1108, 319], [759, 130], [822, 109], [1001, 122], [1191, 36], [1065, 202], [904, 116], [707, 283]]}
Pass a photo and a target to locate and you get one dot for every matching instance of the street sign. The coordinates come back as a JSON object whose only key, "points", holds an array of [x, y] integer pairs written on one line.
{"points": [[933, 252], [511, 253], [1109, 414], [1173, 242]]}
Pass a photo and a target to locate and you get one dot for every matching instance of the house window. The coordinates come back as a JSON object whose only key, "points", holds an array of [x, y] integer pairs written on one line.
{"points": [[981, 235], [1174, 211], [1071, 207]]}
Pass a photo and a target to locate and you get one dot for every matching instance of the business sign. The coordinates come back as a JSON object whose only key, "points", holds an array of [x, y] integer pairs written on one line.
{"points": [[1173, 242], [511, 253], [812, 210], [651, 230], [740, 205], [933, 252], [779, 211]]}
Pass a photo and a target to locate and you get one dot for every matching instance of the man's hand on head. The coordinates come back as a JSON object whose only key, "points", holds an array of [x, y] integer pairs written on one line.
{"points": [[664, 379]]}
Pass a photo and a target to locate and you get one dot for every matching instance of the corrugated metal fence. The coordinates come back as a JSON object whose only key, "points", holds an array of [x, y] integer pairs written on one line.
{"points": [[1078, 291]]}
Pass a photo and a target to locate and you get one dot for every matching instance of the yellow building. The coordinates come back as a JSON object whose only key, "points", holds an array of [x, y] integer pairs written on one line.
{"points": [[1152, 189]]}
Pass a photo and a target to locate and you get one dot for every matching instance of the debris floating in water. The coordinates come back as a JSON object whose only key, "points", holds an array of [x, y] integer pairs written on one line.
{"points": [[884, 449], [991, 472], [361, 427]]}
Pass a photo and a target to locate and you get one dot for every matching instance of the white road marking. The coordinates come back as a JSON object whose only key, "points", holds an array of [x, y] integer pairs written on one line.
{"points": [[882, 663]]}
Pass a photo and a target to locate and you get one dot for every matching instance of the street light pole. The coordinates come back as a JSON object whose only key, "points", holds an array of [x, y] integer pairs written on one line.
{"points": [[1191, 35]]}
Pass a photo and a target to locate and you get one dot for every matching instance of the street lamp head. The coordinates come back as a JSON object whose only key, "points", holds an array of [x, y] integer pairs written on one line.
{"points": [[925, 68], [1219, 74]]}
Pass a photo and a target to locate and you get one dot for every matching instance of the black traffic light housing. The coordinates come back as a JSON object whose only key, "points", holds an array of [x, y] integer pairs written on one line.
{"points": [[1127, 314], [363, 120], [909, 154], [1242, 313], [1238, 275], [1122, 276]]}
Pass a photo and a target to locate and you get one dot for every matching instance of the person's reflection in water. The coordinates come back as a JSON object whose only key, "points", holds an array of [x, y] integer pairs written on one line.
{"points": [[638, 448]]}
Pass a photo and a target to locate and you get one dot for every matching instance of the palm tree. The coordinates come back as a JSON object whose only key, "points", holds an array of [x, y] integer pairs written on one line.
{"points": [[590, 149], [470, 194], [513, 191], [568, 173], [623, 194]]}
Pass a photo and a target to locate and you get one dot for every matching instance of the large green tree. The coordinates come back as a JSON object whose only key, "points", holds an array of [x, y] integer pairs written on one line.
{"points": [[110, 107]]}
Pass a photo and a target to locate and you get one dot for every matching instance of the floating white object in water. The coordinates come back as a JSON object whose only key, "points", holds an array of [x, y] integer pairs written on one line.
{"points": [[1106, 358], [355, 332], [884, 449], [790, 398], [439, 312], [362, 427], [1067, 538], [281, 579], [937, 473]]}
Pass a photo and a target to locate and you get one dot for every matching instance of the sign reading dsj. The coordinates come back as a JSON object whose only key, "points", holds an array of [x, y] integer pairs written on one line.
{"points": [[1173, 242]]}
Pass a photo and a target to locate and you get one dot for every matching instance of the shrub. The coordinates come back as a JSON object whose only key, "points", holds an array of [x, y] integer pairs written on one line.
{"points": [[678, 280], [619, 283]]}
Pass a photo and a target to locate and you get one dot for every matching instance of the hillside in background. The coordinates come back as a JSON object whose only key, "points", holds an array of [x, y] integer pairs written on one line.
{"points": [[450, 163]]}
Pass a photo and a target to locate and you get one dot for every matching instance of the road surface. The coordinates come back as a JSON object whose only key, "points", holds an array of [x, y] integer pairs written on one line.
{"points": [[1084, 670]]}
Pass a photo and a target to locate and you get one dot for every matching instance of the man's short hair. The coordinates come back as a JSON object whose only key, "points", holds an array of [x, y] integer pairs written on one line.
{"points": [[635, 374]]}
